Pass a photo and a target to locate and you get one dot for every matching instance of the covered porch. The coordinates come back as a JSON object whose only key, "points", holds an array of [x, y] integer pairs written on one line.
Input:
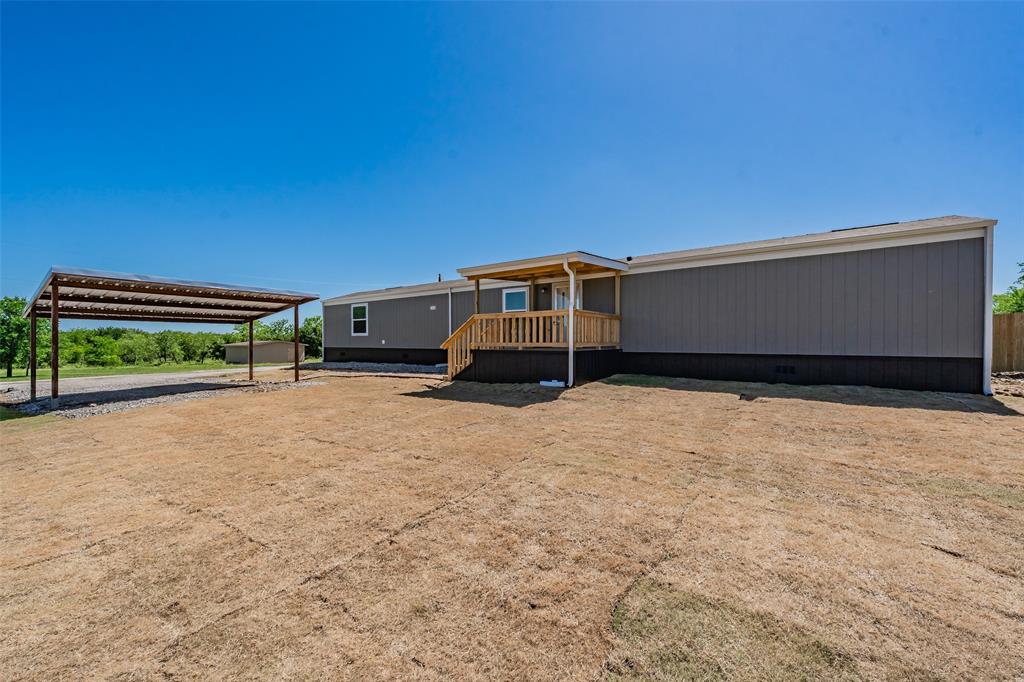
{"points": [[566, 325]]}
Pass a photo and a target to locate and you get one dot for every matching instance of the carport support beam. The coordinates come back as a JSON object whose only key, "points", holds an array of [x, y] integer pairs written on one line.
{"points": [[54, 345], [250, 350], [32, 353], [295, 336]]}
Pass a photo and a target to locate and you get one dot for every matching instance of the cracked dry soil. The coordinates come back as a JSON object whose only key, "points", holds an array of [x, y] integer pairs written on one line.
{"points": [[374, 527]]}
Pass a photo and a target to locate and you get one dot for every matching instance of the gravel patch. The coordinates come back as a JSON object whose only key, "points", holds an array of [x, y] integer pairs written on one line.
{"points": [[18, 391], [88, 396], [78, 406]]}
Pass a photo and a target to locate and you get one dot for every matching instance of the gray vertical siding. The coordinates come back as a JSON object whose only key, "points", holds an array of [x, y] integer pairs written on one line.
{"points": [[409, 322], [924, 300], [462, 304], [911, 301], [396, 323], [598, 295]]}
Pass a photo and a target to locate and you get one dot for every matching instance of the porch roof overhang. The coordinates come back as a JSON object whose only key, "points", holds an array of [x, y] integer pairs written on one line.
{"points": [[98, 295], [581, 262]]}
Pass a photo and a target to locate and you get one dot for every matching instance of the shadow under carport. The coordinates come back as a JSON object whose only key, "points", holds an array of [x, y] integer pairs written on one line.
{"points": [[120, 395]]}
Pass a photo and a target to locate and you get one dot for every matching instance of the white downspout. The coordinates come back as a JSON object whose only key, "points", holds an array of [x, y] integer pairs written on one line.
{"points": [[572, 330], [449, 311], [986, 362]]}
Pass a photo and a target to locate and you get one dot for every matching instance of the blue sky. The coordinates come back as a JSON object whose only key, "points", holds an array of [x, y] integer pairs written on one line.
{"points": [[339, 147]]}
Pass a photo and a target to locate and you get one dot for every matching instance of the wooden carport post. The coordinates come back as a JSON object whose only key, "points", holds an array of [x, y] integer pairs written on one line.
{"points": [[32, 351], [250, 350], [296, 338], [54, 345]]}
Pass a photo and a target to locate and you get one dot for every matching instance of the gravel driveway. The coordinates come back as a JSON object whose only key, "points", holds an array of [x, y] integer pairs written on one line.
{"points": [[87, 396], [17, 391]]}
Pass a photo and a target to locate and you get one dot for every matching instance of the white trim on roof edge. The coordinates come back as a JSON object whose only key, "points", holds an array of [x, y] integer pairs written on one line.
{"points": [[416, 290], [806, 250]]}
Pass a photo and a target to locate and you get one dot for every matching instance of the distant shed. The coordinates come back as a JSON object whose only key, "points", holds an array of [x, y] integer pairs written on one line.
{"points": [[263, 351]]}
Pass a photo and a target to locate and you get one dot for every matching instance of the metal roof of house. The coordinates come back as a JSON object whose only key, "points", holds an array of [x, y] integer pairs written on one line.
{"points": [[98, 295], [837, 238]]}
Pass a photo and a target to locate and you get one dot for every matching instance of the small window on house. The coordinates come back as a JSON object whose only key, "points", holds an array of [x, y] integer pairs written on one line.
{"points": [[359, 319], [513, 300]]}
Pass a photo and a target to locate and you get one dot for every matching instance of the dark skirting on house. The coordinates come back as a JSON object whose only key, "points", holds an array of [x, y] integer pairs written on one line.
{"points": [[531, 366], [960, 375], [412, 356]]}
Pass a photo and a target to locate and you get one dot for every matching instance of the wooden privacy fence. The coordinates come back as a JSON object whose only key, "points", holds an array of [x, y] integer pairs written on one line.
{"points": [[533, 329], [1008, 342]]}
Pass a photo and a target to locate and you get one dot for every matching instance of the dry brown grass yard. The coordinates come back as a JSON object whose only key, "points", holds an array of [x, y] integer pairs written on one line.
{"points": [[376, 527]]}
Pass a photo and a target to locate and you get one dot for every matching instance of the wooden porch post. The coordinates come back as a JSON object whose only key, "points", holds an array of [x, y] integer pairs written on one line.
{"points": [[32, 352], [618, 294], [54, 344], [296, 339], [250, 350], [529, 303], [476, 297]]}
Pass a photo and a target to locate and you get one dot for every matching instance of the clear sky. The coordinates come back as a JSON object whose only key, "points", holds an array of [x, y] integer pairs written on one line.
{"points": [[339, 147]]}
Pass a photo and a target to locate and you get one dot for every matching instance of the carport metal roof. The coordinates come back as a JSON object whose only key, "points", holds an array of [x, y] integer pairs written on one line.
{"points": [[79, 294], [98, 295]]}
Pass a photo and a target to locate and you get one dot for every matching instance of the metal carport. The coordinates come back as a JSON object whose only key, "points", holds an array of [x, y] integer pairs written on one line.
{"points": [[80, 294]]}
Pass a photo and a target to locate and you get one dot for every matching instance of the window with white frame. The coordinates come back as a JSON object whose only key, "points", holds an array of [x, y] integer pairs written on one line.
{"points": [[513, 300], [360, 319]]}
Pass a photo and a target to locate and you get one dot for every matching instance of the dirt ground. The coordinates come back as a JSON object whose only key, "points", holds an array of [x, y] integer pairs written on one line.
{"points": [[386, 527]]}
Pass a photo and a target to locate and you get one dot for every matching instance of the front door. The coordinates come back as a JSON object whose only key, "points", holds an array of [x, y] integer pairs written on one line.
{"points": [[560, 296]]}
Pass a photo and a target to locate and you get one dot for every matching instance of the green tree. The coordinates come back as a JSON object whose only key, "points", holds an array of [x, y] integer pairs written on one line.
{"points": [[72, 351], [103, 351], [13, 331], [42, 346], [278, 330], [190, 347], [137, 349], [168, 347], [311, 334], [206, 345], [1013, 300]]}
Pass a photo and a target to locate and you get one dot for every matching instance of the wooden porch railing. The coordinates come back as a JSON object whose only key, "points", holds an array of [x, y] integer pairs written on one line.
{"points": [[534, 329]]}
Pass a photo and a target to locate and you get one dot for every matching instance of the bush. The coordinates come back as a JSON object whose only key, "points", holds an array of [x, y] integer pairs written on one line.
{"points": [[103, 351], [137, 348]]}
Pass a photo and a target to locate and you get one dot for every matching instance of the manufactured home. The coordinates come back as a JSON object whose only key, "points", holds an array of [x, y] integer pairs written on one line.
{"points": [[900, 305]]}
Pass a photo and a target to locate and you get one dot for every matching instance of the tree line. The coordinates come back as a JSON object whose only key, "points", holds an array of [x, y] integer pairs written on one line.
{"points": [[117, 346]]}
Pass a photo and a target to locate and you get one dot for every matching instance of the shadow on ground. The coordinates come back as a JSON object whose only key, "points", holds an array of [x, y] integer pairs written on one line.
{"points": [[846, 395], [504, 395], [80, 399]]}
